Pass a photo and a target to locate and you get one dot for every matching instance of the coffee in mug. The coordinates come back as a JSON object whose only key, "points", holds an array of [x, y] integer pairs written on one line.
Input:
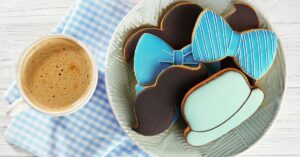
{"points": [[57, 75]]}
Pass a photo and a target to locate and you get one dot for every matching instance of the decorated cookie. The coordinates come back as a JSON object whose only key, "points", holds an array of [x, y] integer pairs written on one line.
{"points": [[153, 55], [156, 106], [217, 105], [176, 28], [213, 40], [243, 18]]}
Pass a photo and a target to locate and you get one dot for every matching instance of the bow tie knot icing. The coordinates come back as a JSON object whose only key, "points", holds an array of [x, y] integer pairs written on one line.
{"points": [[213, 40], [180, 57], [154, 55]]}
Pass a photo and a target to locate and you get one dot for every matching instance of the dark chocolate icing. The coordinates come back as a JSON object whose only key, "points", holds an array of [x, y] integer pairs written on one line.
{"points": [[156, 106], [243, 18]]}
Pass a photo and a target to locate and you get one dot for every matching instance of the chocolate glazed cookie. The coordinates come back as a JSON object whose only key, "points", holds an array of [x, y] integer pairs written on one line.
{"points": [[243, 18], [156, 106]]}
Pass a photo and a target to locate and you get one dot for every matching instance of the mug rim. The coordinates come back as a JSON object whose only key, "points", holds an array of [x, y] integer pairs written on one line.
{"points": [[77, 104]]}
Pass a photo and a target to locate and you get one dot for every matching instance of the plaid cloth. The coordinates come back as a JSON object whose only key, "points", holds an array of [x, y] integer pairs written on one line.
{"points": [[92, 131]]}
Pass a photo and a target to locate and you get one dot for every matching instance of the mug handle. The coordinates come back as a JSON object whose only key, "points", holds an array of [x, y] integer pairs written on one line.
{"points": [[17, 107]]}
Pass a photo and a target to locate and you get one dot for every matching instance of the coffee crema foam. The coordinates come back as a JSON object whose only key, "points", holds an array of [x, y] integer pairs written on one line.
{"points": [[56, 74]]}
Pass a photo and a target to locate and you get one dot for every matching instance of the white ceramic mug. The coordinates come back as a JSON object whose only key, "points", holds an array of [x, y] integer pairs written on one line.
{"points": [[24, 103]]}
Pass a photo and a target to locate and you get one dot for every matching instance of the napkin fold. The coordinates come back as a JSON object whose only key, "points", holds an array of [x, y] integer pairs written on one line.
{"points": [[93, 130]]}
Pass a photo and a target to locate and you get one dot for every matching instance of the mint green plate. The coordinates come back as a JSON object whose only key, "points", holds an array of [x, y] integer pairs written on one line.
{"points": [[120, 82]]}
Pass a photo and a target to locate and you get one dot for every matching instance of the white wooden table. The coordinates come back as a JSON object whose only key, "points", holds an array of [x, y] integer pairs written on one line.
{"points": [[23, 21]]}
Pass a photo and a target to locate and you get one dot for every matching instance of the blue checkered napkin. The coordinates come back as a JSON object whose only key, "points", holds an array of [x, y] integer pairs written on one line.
{"points": [[92, 131]]}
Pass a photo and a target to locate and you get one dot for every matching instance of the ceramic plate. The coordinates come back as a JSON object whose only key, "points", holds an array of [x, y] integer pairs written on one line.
{"points": [[120, 82]]}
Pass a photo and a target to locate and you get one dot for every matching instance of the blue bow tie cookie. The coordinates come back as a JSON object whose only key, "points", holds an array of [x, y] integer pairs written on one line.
{"points": [[213, 40], [152, 55]]}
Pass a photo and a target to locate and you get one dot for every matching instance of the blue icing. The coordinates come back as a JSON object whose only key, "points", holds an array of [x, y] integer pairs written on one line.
{"points": [[153, 55], [213, 40], [220, 105]]}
